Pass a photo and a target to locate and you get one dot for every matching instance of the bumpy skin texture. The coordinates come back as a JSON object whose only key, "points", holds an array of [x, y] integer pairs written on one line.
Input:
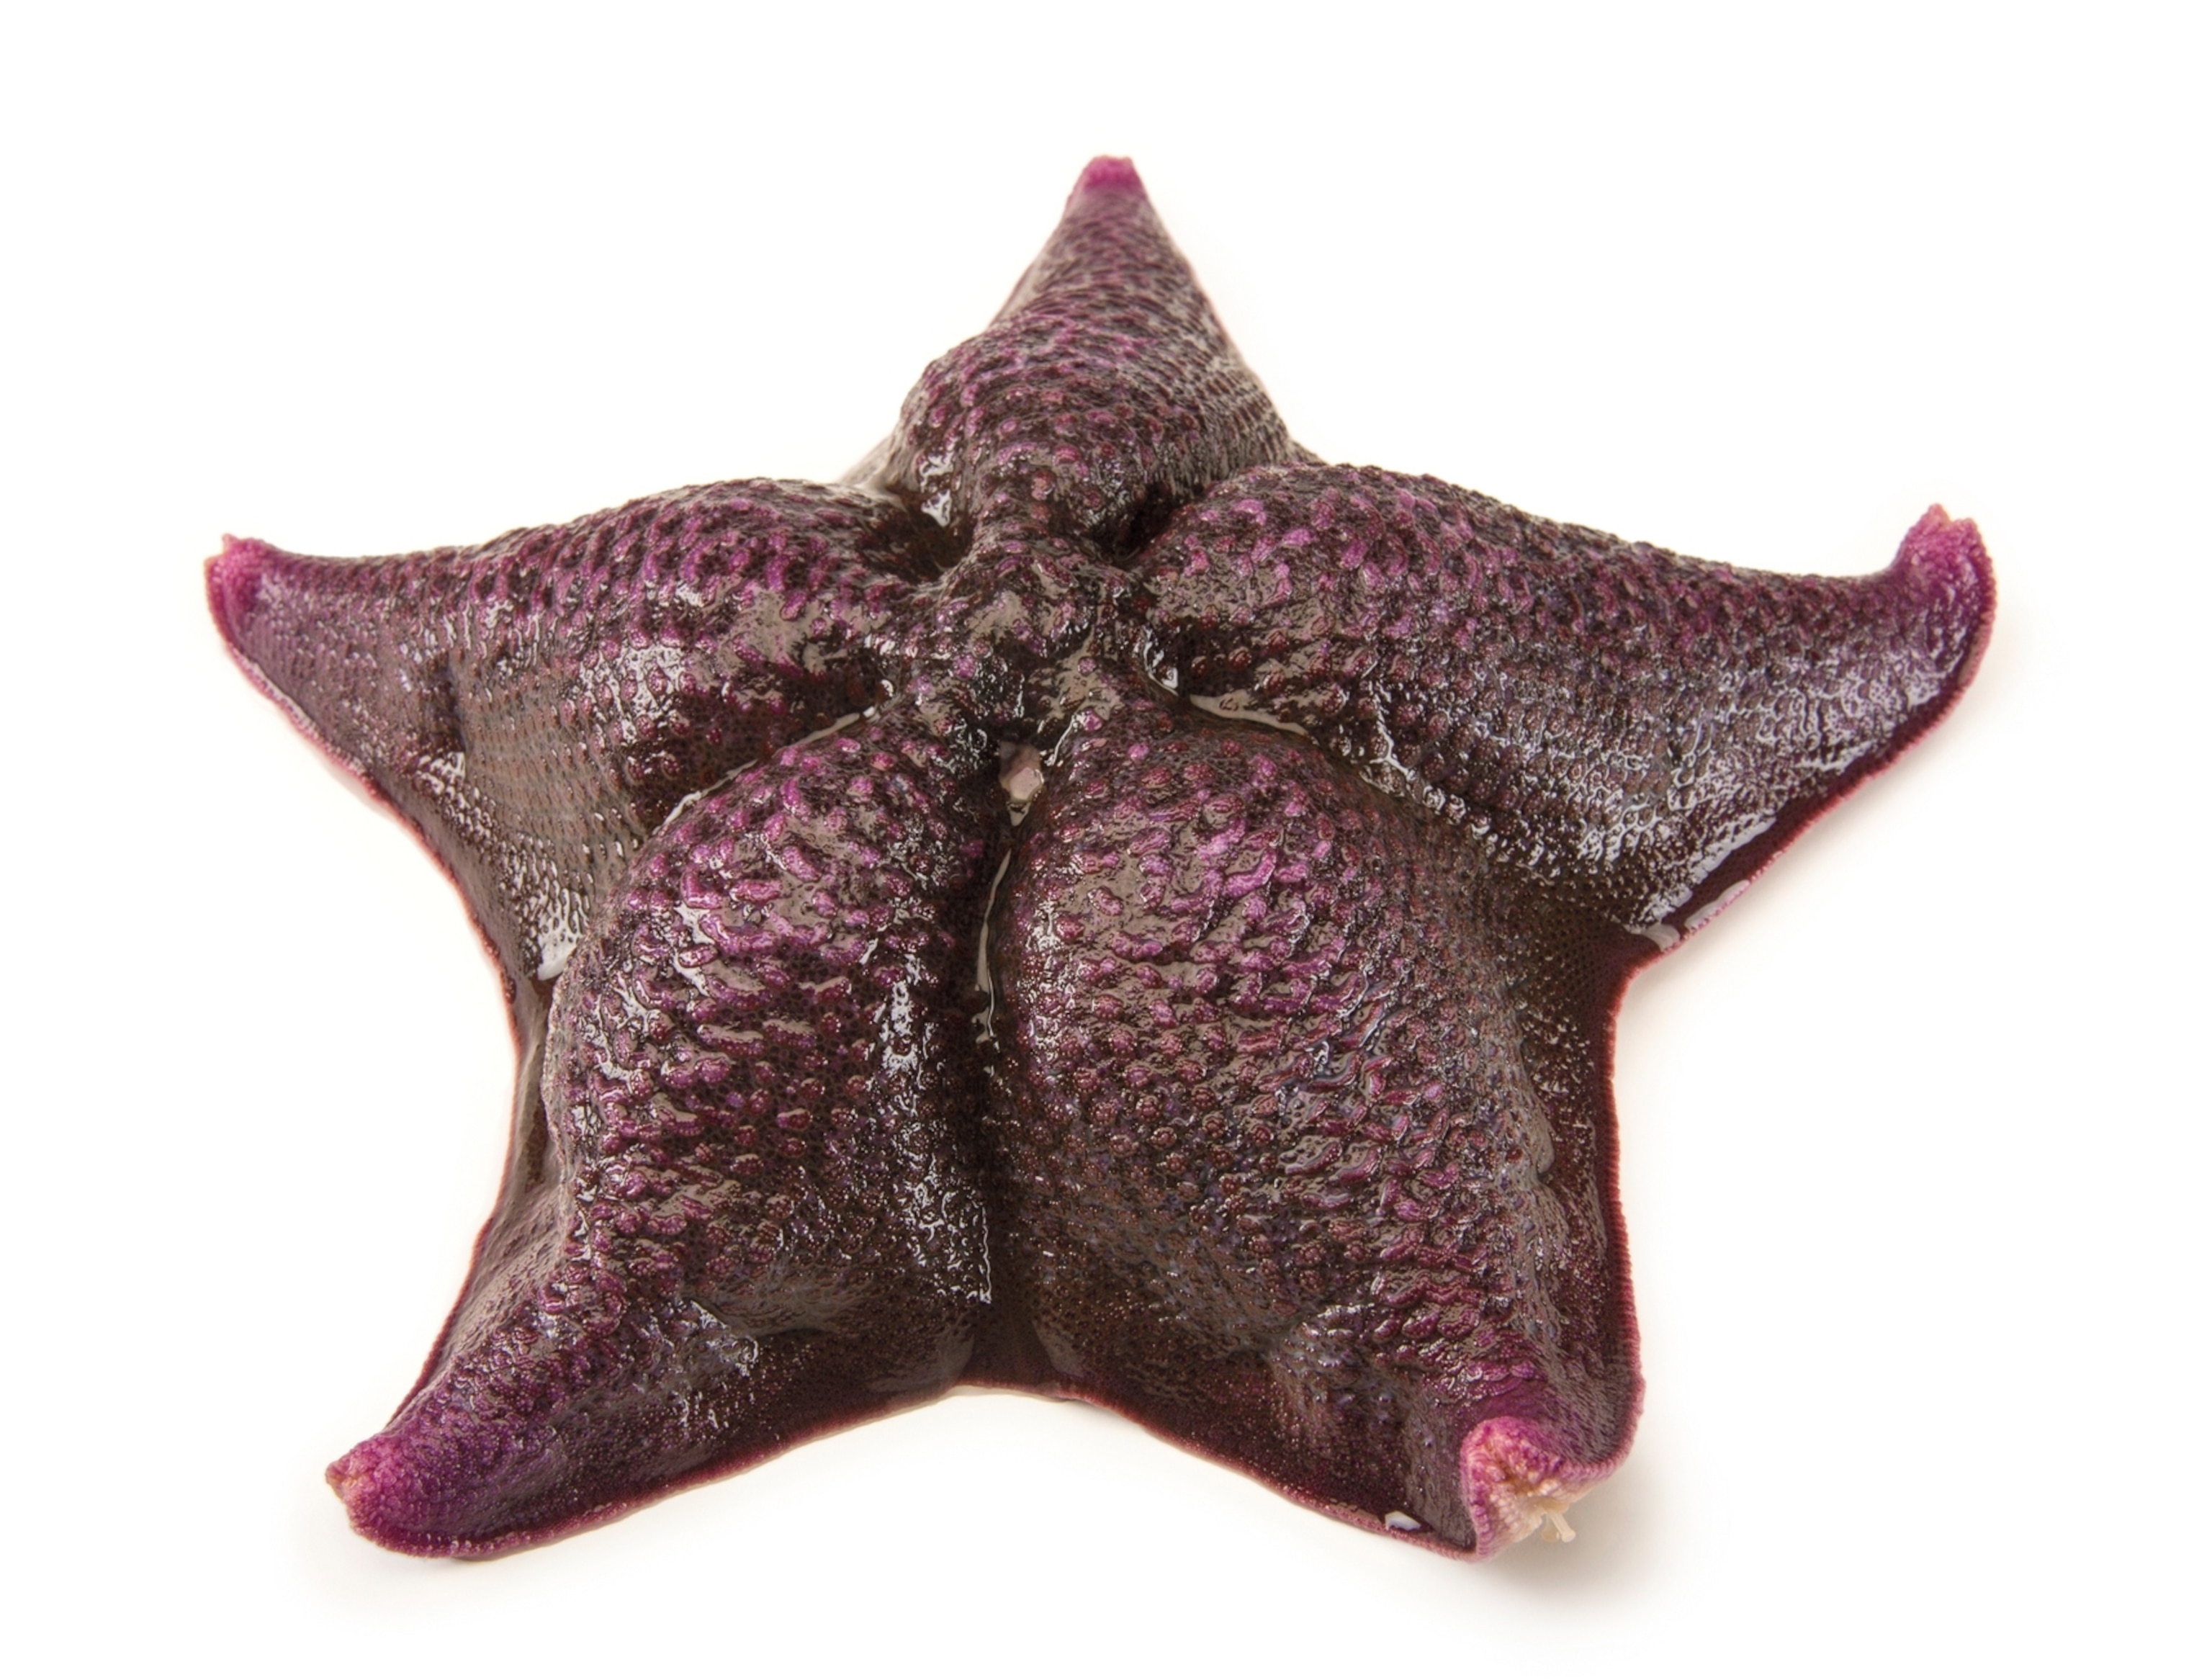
{"points": [[1279, 1176], [1102, 904]]}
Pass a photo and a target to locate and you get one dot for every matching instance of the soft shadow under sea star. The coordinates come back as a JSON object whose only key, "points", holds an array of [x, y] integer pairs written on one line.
{"points": [[1102, 903]]}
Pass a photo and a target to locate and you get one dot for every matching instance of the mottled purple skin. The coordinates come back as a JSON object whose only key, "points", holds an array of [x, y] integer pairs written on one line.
{"points": [[1104, 905]]}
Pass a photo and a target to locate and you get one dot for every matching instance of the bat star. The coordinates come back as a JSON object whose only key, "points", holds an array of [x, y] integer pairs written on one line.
{"points": [[1100, 902]]}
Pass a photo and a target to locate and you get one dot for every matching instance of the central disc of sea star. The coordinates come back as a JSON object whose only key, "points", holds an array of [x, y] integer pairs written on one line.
{"points": [[1101, 902]]}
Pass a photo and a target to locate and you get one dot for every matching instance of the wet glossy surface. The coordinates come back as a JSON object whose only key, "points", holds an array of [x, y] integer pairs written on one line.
{"points": [[1253, 1083]]}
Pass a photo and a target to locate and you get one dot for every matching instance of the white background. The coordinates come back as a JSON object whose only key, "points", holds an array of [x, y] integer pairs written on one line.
{"points": [[1913, 1139]]}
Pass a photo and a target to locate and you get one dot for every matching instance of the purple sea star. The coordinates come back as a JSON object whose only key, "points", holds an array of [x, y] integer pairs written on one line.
{"points": [[1102, 903]]}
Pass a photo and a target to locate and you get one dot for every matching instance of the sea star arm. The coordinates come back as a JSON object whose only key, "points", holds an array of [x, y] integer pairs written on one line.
{"points": [[1640, 729], [536, 705], [1285, 1178], [763, 1219], [1104, 392]]}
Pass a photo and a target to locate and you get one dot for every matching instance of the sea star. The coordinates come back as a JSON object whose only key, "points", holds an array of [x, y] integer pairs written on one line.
{"points": [[1100, 903]]}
